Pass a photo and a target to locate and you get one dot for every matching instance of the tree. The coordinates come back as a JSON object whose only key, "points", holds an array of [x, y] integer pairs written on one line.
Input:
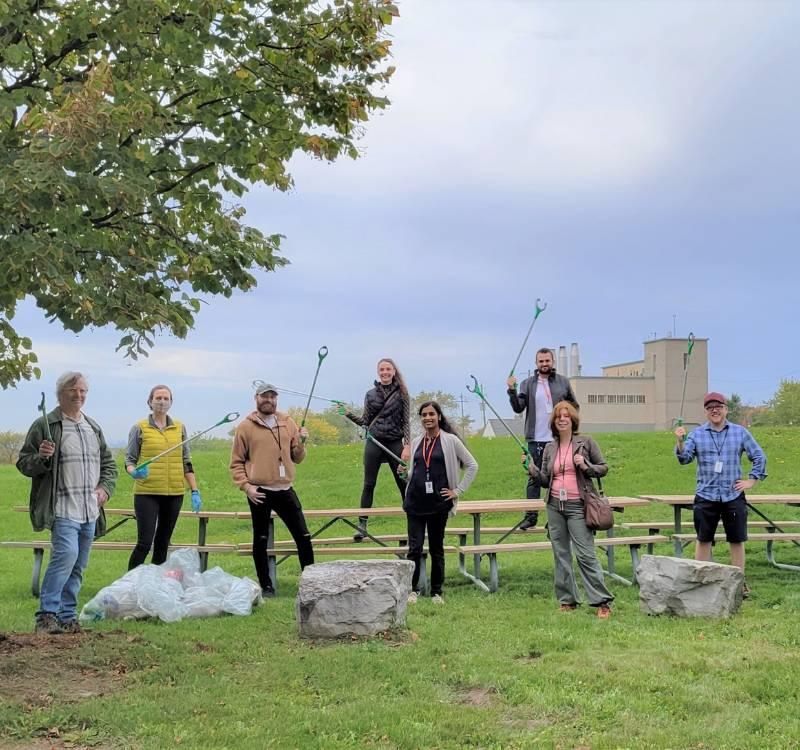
{"points": [[735, 408], [10, 443], [320, 432], [348, 431], [784, 406], [128, 130], [450, 407]]}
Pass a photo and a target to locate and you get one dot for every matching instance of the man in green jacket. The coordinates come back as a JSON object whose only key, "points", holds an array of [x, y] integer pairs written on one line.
{"points": [[73, 474]]}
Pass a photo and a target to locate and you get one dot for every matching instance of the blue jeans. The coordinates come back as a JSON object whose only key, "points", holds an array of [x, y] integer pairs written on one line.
{"points": [[70, 544]]}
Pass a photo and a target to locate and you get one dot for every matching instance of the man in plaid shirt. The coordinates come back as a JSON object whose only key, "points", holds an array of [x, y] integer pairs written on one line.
{"points": [[718, 446]]}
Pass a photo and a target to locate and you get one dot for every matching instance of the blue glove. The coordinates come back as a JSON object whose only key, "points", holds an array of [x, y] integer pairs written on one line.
{"points": [[197, 503], [141, 473]]}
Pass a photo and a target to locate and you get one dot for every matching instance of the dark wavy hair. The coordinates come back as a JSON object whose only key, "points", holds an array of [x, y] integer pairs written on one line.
{"points": [[444, 422]]}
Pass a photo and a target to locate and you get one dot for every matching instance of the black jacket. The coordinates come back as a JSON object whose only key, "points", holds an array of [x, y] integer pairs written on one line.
{"points": [[386, 413], [560, 390]]}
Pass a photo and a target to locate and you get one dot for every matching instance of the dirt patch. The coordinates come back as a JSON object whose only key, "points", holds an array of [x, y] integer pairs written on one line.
{"points": [[42, 670], [532, 655], [479, 697]]}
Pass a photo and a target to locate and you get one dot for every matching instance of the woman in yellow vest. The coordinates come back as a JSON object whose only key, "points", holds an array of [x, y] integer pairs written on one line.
{"points": [[159, 486]]}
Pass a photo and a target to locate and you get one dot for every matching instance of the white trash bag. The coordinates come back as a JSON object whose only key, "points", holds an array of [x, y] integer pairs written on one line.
{"points": [[172, 591]]}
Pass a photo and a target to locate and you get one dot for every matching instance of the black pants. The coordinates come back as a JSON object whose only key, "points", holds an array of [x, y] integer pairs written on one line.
{"points": [[286, 505], [534, 489], [373, 458], [156, 516], [436, 524]]}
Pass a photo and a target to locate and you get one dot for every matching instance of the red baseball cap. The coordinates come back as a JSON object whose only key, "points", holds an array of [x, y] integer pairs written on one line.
{"points": [[714, 396]]}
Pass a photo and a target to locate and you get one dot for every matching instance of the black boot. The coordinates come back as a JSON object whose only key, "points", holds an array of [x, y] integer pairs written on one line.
{"points": [[361, 531], [530, 521]]}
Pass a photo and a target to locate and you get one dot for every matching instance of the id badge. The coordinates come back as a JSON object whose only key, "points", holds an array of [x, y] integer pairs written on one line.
{"points": [[428, 488], [718, 467], [562, 495], [281, 471]]}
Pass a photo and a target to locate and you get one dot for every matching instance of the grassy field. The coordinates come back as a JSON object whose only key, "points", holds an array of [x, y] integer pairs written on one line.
{"points": [[485, 671]]}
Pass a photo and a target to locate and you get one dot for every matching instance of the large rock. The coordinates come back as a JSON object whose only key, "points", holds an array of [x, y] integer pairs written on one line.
{"points": [[361, 597], [688, 588]]}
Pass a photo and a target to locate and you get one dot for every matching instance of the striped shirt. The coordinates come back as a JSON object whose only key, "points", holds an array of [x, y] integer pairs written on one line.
{"points": [[726, 446], [78, 471]]}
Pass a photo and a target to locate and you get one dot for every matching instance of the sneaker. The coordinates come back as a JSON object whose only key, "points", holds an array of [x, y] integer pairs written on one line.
{"points": [[745, 591], [361, 532], [568, 608], [47, 624], [412, 597], [604, 611], [268, 593], [73, 626], [437, 599]]}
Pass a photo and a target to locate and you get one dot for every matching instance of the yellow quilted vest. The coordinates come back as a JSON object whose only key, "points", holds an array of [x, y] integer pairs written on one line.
{"points": [[166, 474]]}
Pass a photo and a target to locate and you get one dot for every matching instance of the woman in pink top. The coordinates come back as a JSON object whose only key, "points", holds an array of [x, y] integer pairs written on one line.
{"points": [[568, 465]]}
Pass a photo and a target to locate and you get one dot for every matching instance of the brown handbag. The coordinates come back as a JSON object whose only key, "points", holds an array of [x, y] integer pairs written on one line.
{"points": [[598, 513]]}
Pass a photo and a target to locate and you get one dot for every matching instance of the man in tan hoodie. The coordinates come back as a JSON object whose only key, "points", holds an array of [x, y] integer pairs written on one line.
{"points": [[266, 446]]}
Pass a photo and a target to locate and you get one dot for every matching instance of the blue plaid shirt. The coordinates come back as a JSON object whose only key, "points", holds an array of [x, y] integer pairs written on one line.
{"points": [[709, 446]]}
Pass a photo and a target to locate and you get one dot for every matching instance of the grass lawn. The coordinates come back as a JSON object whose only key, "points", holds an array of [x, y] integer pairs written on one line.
{"points": [[484, 671]]}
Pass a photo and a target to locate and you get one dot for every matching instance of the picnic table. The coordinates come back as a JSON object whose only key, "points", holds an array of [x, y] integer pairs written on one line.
{"points": [[680, 503]]}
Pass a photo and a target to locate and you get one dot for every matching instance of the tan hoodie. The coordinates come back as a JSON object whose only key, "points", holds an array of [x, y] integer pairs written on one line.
{"points": [[255, 455]]}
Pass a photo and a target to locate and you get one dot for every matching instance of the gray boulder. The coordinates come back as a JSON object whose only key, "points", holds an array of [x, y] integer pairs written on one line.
{"points": [[688, 588], [360, 597]]}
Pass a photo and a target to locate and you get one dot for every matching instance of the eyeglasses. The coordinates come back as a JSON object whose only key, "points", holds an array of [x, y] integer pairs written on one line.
{"points": [[715, 407]]}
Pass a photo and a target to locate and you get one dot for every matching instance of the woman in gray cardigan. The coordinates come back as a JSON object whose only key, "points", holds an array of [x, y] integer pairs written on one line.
{"points": [[568, 465], [434, 487]]}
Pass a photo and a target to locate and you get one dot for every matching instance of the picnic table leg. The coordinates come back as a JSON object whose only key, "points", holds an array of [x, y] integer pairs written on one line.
{"points": [[462, 560], [38, 556], [494, 579], [676, 509], [476, 539], [771, 560], [612, 566], [201, 540]]}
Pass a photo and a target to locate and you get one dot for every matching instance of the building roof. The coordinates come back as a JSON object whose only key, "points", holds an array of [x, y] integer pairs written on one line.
{"points": [[494, 427]]}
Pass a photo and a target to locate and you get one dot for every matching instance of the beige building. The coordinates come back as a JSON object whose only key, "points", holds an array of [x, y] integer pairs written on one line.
{"points": [[644, 395]]}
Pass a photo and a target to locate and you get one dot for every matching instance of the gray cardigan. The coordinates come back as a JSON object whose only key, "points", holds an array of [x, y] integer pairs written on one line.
{"points": [[456, 456]]}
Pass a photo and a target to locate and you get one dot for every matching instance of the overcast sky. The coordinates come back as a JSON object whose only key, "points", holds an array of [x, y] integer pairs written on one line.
{"points": [[626, 162]]}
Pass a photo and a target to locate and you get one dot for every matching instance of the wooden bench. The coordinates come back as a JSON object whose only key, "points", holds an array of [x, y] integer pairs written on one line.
{"points": [[769, 538], [634, 543], [39, 547], [655, 527]]}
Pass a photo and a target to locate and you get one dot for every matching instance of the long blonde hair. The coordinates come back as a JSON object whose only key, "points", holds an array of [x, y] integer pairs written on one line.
{"points": [[397, 376]]}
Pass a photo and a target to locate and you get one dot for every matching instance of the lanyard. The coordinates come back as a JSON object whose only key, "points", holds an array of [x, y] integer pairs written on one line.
{"points": [[563, 458], [276, 438], [717, 445], [548, 396], [426, 457]]}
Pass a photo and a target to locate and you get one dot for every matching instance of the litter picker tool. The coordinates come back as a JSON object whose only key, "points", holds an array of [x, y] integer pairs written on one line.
{"points": [[368, 435], [685, 375], [540, 308], [232, 417], [43, 408], [257, 383], [478, 391], [321, 354]]}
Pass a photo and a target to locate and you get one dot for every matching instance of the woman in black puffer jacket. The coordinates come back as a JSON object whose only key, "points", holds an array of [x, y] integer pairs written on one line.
{"points": [[386, 417]]}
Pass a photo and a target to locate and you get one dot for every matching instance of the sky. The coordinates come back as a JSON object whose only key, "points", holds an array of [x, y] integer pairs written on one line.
{"points": [[633, 165]]}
